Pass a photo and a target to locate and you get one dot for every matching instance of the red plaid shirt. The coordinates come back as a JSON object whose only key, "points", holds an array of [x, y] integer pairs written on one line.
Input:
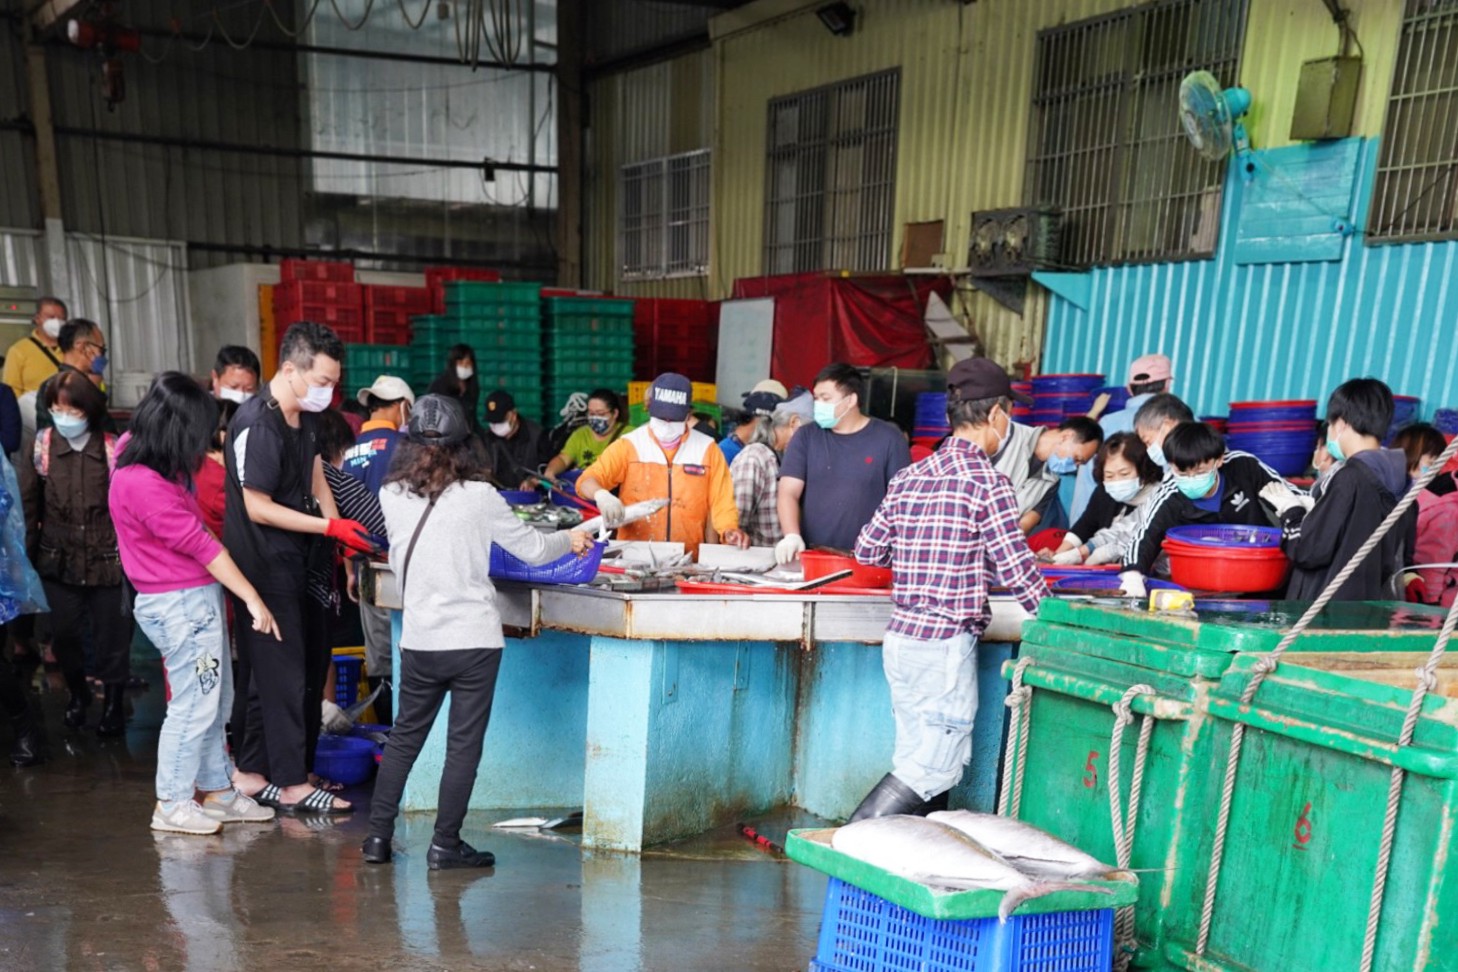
{"points": [[947, 525]]}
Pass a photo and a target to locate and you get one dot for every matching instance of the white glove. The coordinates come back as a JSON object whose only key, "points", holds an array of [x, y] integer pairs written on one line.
{"points": [[612, 509], [1068, 557], [1132, 583], [1280, 496], [334, 720], [789, 549]]}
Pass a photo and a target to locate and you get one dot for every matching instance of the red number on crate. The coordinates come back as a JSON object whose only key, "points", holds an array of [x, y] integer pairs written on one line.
{"points": [[1303, 828], [1091, 776]]}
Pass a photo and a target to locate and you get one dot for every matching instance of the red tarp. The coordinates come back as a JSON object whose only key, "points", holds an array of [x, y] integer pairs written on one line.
{"points": [[871, 321]]}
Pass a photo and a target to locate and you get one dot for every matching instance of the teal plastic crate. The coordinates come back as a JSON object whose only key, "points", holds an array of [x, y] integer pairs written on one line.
{"points": [[482, 292], [364, 362], [555, 307], [506, 341], [589, 340]]}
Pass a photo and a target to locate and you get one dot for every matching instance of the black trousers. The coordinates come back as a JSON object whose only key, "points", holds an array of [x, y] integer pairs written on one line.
{"points": [[283, 682], [422, 683], [72, 606]]}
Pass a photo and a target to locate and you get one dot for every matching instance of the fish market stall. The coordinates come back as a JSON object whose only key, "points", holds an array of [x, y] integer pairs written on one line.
{"points": [[667, 713]]}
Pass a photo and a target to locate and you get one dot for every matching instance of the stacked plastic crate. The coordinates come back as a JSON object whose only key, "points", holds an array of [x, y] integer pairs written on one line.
{"points": [[676, 335], [320, 291], [437, 277], [388, 310], [589, 344], [502, 324]]}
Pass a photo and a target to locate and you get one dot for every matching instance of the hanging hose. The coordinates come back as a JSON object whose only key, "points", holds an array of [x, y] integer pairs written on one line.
{"points": [[1268, 664], [1125, 822]]}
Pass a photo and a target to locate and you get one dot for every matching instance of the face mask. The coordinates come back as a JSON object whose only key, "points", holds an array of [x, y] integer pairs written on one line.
{"points": [[1424, 470], [70, 426], [1122, 490], [500, 429], [52, 326], [1335, 449], [667, 433], [825, 416], [1001, 439], [1156, 456], [317, 398], [237, 395], [98, 365], [1197, 486], [599, 424], [1061, 465], [463, 373]]}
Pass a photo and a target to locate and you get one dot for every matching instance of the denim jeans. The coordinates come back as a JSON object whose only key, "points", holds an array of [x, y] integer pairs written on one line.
{"points": [[934, 700], [189, 628]]}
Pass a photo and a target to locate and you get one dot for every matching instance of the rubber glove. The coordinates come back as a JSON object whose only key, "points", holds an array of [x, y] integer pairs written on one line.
{"points": [[610, 507], [350, 533], [1068, 557], [1132, 583], [1415, 589], [789, 549], [1281, 497]]}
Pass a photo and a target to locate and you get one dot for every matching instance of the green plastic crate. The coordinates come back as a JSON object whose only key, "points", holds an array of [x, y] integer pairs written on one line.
{"points": [[558, 341], [558, 307], [502, 292], [486, 342], [364, 362]]}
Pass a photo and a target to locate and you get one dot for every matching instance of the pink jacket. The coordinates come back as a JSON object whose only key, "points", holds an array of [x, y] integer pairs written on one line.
{"points": [[1437, 543], [159, 529]]}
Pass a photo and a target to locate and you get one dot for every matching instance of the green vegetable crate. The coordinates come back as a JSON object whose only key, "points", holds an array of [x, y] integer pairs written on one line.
{"points": [[1272, 911]]}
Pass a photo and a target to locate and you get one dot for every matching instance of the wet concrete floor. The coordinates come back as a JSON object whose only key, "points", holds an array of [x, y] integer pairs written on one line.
{"points": [[85, 885]]}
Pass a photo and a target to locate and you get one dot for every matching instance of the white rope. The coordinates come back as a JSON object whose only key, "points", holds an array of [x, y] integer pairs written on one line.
{"points": [[1019, 699], [1124, 826], [1268, 664]]}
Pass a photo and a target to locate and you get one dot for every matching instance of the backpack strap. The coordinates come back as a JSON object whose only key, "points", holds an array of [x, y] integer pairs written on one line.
{"points": [[410, 550]]}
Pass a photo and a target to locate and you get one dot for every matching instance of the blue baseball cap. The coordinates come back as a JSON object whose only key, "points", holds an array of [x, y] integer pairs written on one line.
{"points": [[670, 397]]}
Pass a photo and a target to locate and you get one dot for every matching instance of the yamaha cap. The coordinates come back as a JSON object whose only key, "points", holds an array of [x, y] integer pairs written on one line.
{"points": [[670, 397]]}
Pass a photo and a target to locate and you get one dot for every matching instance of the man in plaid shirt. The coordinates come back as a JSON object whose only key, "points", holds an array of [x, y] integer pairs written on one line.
{"points": [[947, 526]]}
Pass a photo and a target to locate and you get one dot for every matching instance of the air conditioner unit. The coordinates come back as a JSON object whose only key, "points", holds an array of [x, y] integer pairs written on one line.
{"points": [[1014, 242]]}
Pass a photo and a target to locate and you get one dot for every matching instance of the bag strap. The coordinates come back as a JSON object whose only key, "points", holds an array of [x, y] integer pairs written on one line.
{"points": [[46, 351], [410, 550]]}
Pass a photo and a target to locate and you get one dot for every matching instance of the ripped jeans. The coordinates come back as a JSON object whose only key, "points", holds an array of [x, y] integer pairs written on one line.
{"points": [[934, 699], [189, 627]]}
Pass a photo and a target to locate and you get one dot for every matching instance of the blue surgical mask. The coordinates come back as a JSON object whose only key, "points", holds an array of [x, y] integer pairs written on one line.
{"points": [[70, 426], [1197, 486], [1335, 449], [1122, 490], [825, 416], [98, 365], [1061, 465], [1156, 456]]}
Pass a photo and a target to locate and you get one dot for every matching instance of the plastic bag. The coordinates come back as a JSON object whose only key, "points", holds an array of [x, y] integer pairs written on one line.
{"points": [[20, 586]]}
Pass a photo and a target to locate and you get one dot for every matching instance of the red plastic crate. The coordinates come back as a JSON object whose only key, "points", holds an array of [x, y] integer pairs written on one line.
{"points": [[436, 278], [416, 300], [317, 292], [338, 316], [384, 326], [316, 270], [676, 335]]}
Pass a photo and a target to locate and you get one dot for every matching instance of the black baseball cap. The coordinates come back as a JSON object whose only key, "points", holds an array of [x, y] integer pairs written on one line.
{"points": [[438, 420], [498, 403], [670, 397], [978, 378]]}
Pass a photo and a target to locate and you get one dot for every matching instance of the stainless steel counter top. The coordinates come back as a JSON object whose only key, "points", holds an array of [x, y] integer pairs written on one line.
{"points": [[806, 618]]}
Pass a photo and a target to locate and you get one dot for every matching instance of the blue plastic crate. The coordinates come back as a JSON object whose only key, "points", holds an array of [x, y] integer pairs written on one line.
{"points": [[570, 569], [1227, 535], [346, 679], [861, 932]]}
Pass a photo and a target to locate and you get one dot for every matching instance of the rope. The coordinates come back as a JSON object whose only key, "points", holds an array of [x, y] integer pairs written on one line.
{"points": [[1020, 697], [1124, 825], [1268, 664]]}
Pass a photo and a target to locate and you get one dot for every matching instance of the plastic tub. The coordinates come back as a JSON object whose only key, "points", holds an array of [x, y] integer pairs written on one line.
{"points": [[344, 759], [521, 497], [818, 563], [1238, 571], [1237, 536], [570, 569]]}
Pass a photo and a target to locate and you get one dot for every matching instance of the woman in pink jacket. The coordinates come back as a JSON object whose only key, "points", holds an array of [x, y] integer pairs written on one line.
{"points": [[179, 570]]}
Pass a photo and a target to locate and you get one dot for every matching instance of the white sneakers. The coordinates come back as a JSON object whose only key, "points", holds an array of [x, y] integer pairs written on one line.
{"points": [[209, 817]]}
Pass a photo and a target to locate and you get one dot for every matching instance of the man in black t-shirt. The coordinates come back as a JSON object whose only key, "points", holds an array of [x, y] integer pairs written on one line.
{"points": [[273, 527]]}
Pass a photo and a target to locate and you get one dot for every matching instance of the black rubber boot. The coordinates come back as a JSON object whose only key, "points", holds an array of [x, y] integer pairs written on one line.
{"points": [[114, 711], [463, 855], [376, 850], [75, 716], [888, 797], [384, 704], [939, 802], [29, 746]]}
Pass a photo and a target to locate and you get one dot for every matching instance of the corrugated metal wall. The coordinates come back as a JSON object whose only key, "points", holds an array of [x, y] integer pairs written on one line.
{"points": [[19, 197], [1277, 331], [621, 28], [20, 256]]}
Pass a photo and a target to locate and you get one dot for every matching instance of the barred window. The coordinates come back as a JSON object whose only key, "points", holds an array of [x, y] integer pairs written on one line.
{"points": [[1106, 145], [1416, 194], [664, 225], [831, 176]]}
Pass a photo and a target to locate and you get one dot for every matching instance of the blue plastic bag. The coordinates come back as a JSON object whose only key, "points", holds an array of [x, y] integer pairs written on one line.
{"points": [[20, 586]]}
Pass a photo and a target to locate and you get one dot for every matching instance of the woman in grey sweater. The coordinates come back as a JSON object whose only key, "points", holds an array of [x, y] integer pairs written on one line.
{"points": [[437, 497]]}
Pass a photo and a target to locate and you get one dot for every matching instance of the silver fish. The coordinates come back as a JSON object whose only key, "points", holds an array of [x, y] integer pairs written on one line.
{"points": [[937, 855], [633, 513], [1025, 847]]}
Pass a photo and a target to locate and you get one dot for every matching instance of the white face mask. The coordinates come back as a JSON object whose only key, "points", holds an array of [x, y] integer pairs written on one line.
{"points": [[52, 326], [317, 398], [667, 433], [464, 373], [501, 429], [234, 395]]}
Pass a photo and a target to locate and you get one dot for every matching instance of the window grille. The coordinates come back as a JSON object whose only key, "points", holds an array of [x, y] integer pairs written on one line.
{"points": [[664, 226], [1106, 145], [831, 176], [1416, 193]]}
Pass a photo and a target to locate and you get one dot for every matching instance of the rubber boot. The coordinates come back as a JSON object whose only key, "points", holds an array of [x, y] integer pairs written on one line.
{"points": [[75, 716], [890, 796], [29, 747], [384, 704], [939, 802], [114, 711]]}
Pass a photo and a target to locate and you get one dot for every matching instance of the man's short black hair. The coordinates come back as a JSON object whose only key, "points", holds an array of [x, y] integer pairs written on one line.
{"points": [[307, 339], [74, 331], [847, 378], [1160, 409], [1191, 443], [374, 403], [237, 356], [1084, 429], [1149, 387], [1365, 404]]}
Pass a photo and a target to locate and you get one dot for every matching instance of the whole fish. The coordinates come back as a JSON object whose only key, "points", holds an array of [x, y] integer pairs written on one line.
{"points": [[937, 855], [1025, 847], [633, 513]]}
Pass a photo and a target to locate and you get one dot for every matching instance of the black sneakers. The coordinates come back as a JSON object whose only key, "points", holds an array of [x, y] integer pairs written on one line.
{"points": [[376, 850], [461, 856]]}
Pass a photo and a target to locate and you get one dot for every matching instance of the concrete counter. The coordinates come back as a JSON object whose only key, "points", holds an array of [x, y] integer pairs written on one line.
{"points": [[664, 715]]}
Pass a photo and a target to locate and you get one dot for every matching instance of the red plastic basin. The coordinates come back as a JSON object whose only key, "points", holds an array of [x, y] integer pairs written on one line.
{"points": [[818, 563], [1238, 571]]}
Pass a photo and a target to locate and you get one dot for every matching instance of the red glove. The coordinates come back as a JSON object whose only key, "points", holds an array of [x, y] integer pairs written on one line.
{"points": [[1417, 590], [351, 534]]}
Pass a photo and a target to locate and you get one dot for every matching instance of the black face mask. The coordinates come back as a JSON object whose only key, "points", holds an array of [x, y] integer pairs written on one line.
{"points": [[599, 424]]}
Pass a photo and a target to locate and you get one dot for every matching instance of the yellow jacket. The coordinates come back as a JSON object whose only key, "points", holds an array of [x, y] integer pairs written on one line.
{"points": [[695, 479]]}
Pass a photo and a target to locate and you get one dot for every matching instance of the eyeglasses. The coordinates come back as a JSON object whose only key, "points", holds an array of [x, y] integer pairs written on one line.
{"points": [[100, 348]]}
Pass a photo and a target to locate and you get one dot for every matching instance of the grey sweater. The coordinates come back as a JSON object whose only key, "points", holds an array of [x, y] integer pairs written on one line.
{"points": [[450, 602]]}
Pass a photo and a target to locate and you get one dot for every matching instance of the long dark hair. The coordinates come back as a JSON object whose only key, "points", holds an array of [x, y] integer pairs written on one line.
{"points": [[172, 429], [333, 436], [427, 470]]}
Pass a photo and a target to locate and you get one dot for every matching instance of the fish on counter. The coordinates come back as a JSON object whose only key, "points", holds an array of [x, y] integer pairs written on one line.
{"points": [[632, 514], [1025, 847], [938, 855]]}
